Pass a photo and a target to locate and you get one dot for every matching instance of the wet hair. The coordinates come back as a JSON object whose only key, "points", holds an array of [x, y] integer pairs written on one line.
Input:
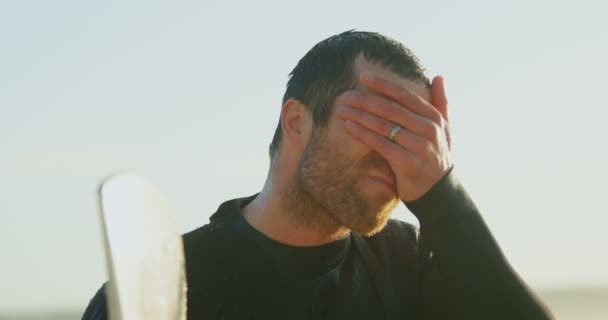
{"points": [[326, 71]]}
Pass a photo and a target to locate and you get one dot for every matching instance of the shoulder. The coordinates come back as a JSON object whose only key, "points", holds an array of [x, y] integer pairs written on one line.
{"points": [[218, 235], [223, 267], [204, 235], [218, 256], [208, 248]]}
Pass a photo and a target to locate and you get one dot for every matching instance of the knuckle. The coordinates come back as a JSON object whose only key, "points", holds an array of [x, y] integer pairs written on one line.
{"points": [[424, 147], [395, 108], [414, 165], [386, 127], [384, 106], [437, 132], [437, 118], [403, 94], [384, 109], [429, 129], [429, 148]]}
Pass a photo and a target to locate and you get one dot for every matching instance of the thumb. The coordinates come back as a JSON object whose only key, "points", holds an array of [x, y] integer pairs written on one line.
{"points": [[438, 97]]}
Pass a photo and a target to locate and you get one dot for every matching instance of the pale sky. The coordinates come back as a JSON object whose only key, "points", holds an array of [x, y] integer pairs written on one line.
{"points": [[188, 94]]}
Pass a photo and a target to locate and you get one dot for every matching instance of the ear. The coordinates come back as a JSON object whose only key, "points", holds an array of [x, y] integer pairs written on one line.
{"points": [[296, 124]]}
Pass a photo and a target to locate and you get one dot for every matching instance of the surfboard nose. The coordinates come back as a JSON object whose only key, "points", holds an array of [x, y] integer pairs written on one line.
{"points": [[144, 250]]}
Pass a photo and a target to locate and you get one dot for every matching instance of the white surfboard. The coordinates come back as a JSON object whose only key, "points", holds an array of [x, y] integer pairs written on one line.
{"points": [[144, 251]]}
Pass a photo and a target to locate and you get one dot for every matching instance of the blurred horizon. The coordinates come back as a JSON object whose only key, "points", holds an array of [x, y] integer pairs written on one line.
{"points": [[564, 303]]}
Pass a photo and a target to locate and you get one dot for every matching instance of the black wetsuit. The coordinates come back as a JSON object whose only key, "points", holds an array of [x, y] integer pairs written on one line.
{"points": [[451, 269]]}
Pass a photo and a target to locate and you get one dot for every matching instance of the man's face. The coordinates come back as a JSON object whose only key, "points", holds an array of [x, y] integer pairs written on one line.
{"points": [[345, 177], [337, 177]]}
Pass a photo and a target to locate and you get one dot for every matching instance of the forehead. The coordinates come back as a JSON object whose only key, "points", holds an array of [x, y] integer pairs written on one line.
{"points": [[361, 65]]}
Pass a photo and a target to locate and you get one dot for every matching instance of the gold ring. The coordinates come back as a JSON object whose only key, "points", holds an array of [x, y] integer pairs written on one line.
{"points": [[393, 133]]}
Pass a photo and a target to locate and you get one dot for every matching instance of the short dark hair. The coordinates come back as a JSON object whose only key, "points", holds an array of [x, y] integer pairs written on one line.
{"points": [[326, 71]]}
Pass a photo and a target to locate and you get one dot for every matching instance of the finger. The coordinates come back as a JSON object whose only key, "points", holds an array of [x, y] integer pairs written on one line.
{"points": [[401, 95], [438, 96], [383, 127], [395, 155], [388, 109]]}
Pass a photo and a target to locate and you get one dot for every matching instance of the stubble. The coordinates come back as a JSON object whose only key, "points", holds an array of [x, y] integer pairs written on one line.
{"points": [[326, 194]]}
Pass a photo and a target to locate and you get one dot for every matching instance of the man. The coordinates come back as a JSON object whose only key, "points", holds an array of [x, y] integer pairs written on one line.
{"points": [[361, 128]]}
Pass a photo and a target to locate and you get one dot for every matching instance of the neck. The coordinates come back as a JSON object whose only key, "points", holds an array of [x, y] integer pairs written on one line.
{"points": [[287, 214]]}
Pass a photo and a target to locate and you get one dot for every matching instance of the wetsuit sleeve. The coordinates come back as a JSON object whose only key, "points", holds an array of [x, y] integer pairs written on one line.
{"points": [[464, 272], [97, 308]]}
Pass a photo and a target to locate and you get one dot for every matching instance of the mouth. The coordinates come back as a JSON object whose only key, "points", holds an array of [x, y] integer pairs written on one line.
{"points": [[389, 182]]}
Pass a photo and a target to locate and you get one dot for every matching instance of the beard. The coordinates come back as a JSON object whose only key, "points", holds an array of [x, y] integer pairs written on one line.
{"points": [[327, 192]]}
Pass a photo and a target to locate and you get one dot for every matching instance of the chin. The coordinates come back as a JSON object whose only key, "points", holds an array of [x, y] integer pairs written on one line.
{"points": [[369, 231], [373, 222]]}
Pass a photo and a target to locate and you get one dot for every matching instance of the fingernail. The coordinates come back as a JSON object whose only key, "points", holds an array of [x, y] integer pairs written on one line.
{"points": [[344, 109], [350, 94], [366, 76]]}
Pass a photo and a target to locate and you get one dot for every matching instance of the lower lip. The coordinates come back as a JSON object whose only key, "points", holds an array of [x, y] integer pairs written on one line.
{"points": [[383, 183]]}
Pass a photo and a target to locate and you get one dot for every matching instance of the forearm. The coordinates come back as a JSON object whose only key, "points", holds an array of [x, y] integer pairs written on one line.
{"points": [[476, 277]]}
